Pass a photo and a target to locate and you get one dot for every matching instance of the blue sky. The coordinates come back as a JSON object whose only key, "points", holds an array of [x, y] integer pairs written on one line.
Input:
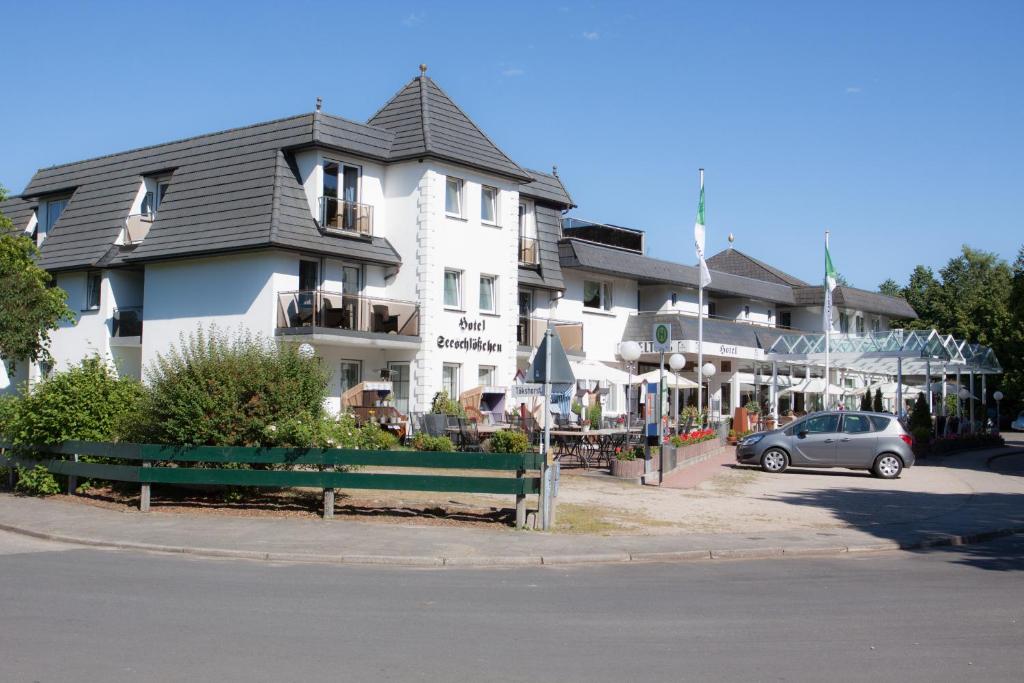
{"points": [[898, 126]]}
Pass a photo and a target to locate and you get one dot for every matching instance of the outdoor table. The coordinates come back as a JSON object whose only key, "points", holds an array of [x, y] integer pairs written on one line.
{"points": [[585, 445]]}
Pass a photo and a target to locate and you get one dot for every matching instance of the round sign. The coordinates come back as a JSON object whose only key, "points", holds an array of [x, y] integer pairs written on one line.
{"points": [[661, 334]]}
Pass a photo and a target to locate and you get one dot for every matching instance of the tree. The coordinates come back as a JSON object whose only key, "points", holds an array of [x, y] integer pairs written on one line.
{"points": [[30, 308], [890, 288], [876, 405], [923, 293], [865, 400]]}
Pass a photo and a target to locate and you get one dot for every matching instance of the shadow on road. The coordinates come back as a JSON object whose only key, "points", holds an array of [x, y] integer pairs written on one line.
{"points": [[904, 516]]}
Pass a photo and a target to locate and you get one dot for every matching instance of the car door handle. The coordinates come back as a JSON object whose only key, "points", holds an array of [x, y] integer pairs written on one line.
{"points": [[829, 440], [843, 440]]}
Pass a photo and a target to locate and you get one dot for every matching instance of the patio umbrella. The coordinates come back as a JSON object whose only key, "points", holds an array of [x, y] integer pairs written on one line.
{"points": [[672, 380], [889, 390], [814, 386], [596, 371]]}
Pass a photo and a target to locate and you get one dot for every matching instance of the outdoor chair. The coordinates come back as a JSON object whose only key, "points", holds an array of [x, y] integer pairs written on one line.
{"points": [[469, 435], [383, 321], [435, 425]]}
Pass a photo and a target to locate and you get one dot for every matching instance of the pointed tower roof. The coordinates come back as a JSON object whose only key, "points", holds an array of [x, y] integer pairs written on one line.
{"points": [[735, 262], [426, 122]]}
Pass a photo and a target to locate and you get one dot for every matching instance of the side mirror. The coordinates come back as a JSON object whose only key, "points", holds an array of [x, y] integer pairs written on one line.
{"points": [[801, 434]]}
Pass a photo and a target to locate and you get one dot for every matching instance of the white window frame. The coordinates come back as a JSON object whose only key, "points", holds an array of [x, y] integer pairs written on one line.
{"points": [[44, 223], [458, 290], [605, 289], [494, 205], [456, 379], [90, 276], [407, 400], [492, 369], [460, 194], [349, 361], [494, 293]]}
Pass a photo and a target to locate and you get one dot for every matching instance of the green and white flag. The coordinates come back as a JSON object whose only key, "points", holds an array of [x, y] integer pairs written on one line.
{"points": [[830, 284], [698, 238]]}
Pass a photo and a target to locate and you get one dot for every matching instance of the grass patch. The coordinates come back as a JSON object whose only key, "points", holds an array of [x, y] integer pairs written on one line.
{"points": [[573, 518]]}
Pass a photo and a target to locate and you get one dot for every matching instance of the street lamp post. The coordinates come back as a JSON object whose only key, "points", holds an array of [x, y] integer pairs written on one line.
{"points": [[709, 370], [998, 396], [677, 362], [630, 352]]}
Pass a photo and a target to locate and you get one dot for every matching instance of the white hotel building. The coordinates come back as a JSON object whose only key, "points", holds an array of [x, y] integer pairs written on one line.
{"points": [[409, 243]]}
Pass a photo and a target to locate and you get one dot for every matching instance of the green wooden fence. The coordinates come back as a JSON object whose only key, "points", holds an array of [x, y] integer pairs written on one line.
{"points": [[148, 464]]}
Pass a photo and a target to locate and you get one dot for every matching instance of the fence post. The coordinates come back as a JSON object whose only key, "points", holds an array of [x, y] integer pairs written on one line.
{"points": [[144, 493], [520, 502], [72, 479], [329, 498]]}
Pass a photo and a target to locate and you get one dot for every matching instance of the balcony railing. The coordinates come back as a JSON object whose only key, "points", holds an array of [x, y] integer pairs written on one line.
{"points": [[136, 227], [348, 218], [530, 332], [127, 322], [529, 253], [336, 311]]}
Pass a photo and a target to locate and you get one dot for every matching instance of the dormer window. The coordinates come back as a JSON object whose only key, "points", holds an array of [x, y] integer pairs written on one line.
{"points": [[340, 207], [156, 188], [46, 217]]}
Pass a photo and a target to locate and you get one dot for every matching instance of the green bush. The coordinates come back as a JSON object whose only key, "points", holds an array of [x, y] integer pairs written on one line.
{"points": [[594, 414], [865, 401], [328, 432], [876, 404], [920, 416], [445, 405], [922, 435], [36, 481], [86, 402], [425, 442], [219, 391], [509, 441]]}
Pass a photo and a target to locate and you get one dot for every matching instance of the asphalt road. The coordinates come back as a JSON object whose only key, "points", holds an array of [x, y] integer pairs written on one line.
{"points": [[949, 614]]}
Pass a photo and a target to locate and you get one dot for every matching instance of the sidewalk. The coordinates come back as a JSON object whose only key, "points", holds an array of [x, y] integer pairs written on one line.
{"points": [[993, 506]]}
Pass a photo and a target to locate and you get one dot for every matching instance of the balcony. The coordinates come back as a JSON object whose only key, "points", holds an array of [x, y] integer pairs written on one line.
{"points": [[530, 332], [529, 251], [136, 227], [333, 316], [126, 326], [340, 217]]}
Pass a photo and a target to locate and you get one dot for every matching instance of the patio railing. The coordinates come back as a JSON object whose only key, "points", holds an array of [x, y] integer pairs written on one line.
{"points": [[351, 312]]}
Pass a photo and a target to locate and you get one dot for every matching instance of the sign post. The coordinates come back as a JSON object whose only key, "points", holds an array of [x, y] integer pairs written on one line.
{"points": [[550, 366], [662, 338]]}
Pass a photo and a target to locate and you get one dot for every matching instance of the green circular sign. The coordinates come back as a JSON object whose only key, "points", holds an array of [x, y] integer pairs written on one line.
{"points": [[661, 334]]}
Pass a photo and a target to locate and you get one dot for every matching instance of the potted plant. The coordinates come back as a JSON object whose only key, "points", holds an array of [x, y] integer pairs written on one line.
{"points": [[594, 415], [577, 410], [732, 437], [628, 463]]}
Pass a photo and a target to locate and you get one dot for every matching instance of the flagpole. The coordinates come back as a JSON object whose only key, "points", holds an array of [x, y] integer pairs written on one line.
{"points": [[700, 329], [828, 327]]}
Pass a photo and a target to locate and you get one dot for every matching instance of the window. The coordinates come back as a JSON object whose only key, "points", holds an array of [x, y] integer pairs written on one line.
{"points": [[746, 312], [856, 424], [400, 385], [879, 423], [453, 197], [876, 325], [351, 279], [309, 275], [485, 375], [488, 204], [351, 374], [859, 320], [844, 323], [450, 379], [452, 288], [712, 309], [597, 295], [156, 188], [786, 319], [45, 222], [93, 282], [488, 294], [675, 298], [820, 424], [339, 206], [771, 316]]}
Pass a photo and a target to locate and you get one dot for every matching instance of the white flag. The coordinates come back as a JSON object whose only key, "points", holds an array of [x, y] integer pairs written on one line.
{"points": [[698, 238]]}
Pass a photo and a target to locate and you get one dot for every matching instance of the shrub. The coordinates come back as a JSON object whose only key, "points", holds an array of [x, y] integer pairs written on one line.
{"points": [[509, 441], [696, 437], [329, 432], [922, 435], [865, 400], [36, 481], [920, 416], [594, 415], [752, 407], [425, 442], [876, 404], [8, 410], [216, 391], [625, 454], [86, 402], [445, 405]]}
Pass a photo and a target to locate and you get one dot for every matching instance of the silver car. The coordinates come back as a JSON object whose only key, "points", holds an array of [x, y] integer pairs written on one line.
{"points": [[1018, 424], [857, 440]]}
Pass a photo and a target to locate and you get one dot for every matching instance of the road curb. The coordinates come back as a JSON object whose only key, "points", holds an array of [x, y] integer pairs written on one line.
{"points": [[426, 561]]}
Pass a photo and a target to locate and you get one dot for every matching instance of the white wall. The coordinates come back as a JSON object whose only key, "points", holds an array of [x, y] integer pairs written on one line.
{"points": [[602, 330], [659, 298]]}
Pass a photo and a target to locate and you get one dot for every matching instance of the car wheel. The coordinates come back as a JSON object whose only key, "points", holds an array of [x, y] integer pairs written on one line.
{"points": [[774, 460], [887, 466]]}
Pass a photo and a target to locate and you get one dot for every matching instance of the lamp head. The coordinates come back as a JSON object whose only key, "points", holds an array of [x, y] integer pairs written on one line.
{"points": [[677, 362], [629, 350], [998, 396], [709, 369]]}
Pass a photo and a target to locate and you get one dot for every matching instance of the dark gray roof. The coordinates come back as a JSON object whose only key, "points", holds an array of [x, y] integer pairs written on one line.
{"points": [[735, 262], [638, 328], [547, 187], [425, 122], [19, 210], [575, 253], [549, 274], [230, 190], [872, 302], [359, 138]]}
